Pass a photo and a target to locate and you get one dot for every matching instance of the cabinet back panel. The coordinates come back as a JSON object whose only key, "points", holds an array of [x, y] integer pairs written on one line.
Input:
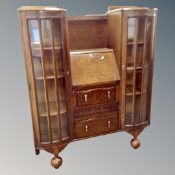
{"points": [[87, 33]]}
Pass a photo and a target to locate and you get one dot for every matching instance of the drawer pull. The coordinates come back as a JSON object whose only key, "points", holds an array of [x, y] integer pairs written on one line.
{"points": [[102, 58], [86, 128], [85, 98], [109, 124], [109, 94]]}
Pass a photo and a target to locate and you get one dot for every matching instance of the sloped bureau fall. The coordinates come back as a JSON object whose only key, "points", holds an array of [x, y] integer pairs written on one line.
{"points": [[87, 75]]}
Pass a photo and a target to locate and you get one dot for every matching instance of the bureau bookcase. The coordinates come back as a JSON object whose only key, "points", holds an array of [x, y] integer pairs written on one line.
{"points": [[87, 75]]}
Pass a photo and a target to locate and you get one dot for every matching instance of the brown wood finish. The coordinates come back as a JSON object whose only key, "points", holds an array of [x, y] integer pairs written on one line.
{"points": [[87, 75], [96, 126], [90, 68], [84, 33]]}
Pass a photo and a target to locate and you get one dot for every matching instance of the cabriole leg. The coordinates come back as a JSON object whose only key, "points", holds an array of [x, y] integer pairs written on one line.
{"points": [[135, 142]]}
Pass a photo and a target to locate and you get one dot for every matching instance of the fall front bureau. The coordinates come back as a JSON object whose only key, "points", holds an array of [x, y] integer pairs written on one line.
{"points": [[87, 75]]}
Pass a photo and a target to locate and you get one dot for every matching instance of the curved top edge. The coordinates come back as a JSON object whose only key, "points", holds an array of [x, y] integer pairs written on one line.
{"points": [[41, 8], [130, 8]]}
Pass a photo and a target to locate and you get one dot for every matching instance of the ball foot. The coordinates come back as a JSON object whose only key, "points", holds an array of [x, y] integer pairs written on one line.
{"points": [[135, 143], [56, 162]]}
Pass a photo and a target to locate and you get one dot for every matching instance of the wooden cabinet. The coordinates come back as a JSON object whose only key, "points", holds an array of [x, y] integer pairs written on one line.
{"points": [[47, 65], [87, 81]]}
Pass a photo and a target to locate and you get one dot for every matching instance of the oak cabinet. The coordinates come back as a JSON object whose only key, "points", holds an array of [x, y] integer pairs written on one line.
{"points": [[88, 75]]}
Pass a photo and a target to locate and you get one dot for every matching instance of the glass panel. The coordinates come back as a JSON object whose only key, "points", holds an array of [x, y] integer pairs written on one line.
{"points": [[128, 120], [138, 82], [46, 33], [137, 108], [64, 126], [35, 47], [141, 27], [55, 127], [48, 61], [144, 110], [129, 81], [52, 96], [130, 59], [62, 95], [63, 110], [59, 63], [145, 95], [57, 32], [149, 40], [40, 97], [139, 55], [146, 73], [131, 28], [37, 67], [34, 32], [44, 129]]}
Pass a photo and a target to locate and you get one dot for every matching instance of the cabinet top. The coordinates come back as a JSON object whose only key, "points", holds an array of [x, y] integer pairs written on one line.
{"points": [[127, 8], [40, 8]]}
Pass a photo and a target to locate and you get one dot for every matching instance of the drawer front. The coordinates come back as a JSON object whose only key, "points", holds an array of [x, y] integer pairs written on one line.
{"points": [[105, 95], [96, 96], [93, 111], [88, 128]]}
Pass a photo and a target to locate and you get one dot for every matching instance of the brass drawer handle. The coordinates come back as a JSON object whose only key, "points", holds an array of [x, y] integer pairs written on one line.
{"points": [[109, 124], [109, 94], [85, 98], [86, 128]]}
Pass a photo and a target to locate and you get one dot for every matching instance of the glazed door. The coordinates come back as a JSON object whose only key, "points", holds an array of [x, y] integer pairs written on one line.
{"points": [[47, 56], [138, 68]]}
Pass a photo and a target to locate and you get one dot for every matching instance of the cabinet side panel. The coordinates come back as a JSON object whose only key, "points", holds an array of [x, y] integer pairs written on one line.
{"points": [[115, 34], [115, 42], [30, 78], [154, 28]]}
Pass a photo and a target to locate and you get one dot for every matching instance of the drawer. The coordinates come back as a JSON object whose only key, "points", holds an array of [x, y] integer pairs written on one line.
{"points": [[96, 96], [93, 111], [92, 127]]}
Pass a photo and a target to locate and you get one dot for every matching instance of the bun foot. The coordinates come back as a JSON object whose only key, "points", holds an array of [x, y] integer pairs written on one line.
{"points": [[135, 143], [56, 162]]}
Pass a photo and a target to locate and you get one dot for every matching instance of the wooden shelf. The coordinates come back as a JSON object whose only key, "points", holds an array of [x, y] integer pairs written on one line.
{"points": [[138, 43], [37, 47], [49, 77], [136, 93], [131, 68]]}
